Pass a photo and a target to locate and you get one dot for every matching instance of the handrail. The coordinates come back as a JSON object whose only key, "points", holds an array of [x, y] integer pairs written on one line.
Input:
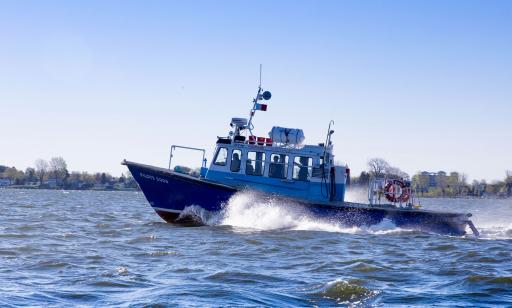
{"points": [[173, 147]]}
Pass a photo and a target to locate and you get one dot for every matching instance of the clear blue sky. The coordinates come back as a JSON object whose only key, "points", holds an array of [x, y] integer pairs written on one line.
{"points": [[427, 85]]}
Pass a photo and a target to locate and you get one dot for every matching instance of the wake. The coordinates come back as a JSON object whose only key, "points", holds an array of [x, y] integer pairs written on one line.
{"points": [[247, 212]]}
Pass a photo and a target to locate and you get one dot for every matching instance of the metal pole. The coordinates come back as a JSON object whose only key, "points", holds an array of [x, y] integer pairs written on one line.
{"points": [[173, 147], [170, 157]]}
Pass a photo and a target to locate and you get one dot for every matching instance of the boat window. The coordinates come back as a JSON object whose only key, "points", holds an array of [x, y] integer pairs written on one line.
{"points": [[255, 164], [278, 167], [236, 157], [221, 157], [302, 166], [318, 170]]}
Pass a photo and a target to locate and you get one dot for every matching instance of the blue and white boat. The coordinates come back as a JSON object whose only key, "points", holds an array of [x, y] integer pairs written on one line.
{"points": [[281, 166]]}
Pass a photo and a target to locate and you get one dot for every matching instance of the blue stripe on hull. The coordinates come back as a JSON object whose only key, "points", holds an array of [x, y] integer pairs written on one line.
{"points": [[169, 193]]}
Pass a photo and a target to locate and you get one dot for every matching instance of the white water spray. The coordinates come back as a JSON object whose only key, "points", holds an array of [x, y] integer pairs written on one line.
{"points": [[248, 212], [356, 194]]}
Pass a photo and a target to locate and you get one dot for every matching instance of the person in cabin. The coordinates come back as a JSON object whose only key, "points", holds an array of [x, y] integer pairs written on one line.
{"points": [[303, 169], [281, 166], [276, 169], [235, 163], [249, 169]]}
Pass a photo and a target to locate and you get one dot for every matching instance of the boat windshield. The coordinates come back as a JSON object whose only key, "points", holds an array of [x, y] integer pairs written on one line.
{"points": [[221, 157]]}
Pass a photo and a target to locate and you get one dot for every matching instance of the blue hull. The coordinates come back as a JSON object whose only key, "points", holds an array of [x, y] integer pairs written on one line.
{"points": [[169, 193]]}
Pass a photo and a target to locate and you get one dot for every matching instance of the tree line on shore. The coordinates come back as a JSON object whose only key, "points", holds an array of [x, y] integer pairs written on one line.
{"points": [[54, 174], [436, 184]]}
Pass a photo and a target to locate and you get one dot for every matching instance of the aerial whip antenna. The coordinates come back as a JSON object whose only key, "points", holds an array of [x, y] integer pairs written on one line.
{"points": [[260, 74], [266, 95]]}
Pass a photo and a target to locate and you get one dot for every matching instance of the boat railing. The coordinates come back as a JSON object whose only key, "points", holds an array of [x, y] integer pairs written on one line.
{"points": [[389, 190], [375, 190], [174, 147]]}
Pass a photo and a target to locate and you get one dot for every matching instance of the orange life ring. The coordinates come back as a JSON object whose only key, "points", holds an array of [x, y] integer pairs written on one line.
{"points": [[396, 191]]}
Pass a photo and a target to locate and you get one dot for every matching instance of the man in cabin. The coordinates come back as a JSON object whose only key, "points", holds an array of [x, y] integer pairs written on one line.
{"points": [[235, 163], [281, 167], [276, 169], [303, 169], [249, 169]]}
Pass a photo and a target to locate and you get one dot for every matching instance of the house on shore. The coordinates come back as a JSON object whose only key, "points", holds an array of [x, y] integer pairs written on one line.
{"points": [[5, 182]]}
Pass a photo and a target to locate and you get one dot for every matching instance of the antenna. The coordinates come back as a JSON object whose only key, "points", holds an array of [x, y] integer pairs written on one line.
{"points": [[260, 73], [266, 95], [328, 139]]}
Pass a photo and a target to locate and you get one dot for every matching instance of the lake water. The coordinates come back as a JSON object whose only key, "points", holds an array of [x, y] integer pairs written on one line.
{"points": [[62, 248]]}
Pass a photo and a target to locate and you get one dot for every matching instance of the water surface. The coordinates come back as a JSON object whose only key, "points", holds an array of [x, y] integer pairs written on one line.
{"points": [[61, 248]]}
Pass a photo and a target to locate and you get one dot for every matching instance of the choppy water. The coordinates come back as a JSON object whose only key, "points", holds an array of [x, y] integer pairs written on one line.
{"points": [[62, 248]]}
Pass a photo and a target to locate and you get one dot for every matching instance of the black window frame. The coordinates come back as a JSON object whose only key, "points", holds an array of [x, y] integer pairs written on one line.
{"points": [[284, 164], [263, 162], [309, 169]]}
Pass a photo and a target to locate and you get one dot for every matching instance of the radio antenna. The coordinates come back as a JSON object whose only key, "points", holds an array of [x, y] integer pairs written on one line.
{"points": [[257, 106], [260, 73]]}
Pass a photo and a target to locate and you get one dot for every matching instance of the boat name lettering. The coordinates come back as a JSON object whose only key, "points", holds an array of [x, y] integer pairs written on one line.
{"points": [[154, 178]]}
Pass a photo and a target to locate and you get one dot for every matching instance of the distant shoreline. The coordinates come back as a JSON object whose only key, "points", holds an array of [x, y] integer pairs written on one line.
{"points": [[68, 189], [490, 197]]}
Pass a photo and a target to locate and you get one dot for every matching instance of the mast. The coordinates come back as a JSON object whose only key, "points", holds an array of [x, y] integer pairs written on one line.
{"points": [[328, 139], [266, 95]]}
